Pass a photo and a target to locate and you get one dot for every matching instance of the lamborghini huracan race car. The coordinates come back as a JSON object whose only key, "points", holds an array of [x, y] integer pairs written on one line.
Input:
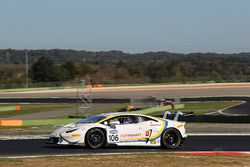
{"points": [[122, 129]]}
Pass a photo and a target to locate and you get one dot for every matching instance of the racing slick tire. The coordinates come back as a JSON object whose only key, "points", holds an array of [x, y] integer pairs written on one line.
{"points": [[95, 138], [171, 138]]}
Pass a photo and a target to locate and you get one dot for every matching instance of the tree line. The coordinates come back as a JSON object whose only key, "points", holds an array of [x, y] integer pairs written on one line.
{"points": [[45, 70], [118, 67]]}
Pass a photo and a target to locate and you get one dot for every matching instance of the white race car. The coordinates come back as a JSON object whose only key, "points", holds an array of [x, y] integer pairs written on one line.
{"points": [[122, 129]]}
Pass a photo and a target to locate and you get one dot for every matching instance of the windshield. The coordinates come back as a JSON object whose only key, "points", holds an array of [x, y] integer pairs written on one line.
{"points": [[93, 119]]}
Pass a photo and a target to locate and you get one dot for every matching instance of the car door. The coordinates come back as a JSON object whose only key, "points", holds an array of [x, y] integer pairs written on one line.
{"points": [[152, 129], [127, 131]]}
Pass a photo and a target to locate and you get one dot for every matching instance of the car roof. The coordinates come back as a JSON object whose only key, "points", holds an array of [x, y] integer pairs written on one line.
{"points": [[112, 114]]}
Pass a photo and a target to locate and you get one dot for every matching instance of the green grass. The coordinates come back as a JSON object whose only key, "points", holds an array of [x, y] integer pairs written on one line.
{"points": [[201, 108], [160, 109], [30, 89], [113, 108], [64, 120], [27, 127], [33, 108], [46, 122], [7, 108]]}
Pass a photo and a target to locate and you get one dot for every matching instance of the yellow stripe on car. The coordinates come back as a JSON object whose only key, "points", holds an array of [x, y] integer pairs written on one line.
{"points": [[180, 125], [160, 132], [109, 117]]}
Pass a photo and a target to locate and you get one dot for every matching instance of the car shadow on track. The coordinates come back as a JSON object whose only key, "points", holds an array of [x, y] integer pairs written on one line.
{"points": [[110, 148]]}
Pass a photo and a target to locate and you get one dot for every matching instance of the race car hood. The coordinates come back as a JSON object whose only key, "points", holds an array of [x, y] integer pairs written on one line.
{"points": [[69, 127]]}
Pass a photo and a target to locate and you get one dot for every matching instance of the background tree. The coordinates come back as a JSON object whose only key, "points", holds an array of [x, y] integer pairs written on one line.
{"points": [[70, 70], [45, 70]]}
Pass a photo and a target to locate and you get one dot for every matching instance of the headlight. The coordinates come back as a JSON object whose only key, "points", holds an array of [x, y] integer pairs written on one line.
{"points": [[72, 130]]}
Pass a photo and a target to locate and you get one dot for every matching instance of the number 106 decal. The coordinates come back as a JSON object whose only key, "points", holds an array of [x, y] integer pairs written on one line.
{"points": [[113, 138]]}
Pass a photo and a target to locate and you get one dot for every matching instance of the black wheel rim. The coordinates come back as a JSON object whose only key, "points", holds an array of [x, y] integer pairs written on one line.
{"points": [[171, 139], [95, 139]]}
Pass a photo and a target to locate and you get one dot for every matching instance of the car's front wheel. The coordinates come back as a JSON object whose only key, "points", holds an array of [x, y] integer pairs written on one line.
{"points": [[171, 138], [95, 138]]}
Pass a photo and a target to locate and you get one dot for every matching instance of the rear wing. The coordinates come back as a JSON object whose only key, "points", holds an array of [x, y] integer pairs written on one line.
{"points": [[176, 114]]}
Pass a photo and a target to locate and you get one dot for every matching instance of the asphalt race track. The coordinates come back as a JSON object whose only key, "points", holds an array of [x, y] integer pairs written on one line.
{"points": [[242, 109], [161, 91], [35, 147]]}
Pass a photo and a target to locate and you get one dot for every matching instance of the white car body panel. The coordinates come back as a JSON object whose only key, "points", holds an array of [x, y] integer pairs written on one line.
{"points": [[147, 133]]}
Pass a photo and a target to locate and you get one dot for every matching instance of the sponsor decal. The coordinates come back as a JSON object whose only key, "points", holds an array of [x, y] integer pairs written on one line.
{"points": [[76, 135], [180, 125], [153, 142], [131, 135], [148, 132], [114, 131], [113, 138]]}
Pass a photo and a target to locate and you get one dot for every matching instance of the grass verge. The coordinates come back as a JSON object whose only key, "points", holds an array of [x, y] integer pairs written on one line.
{"points": [[201, 108], [32, 108], [132, 160], [159, 109], [46, 122]]}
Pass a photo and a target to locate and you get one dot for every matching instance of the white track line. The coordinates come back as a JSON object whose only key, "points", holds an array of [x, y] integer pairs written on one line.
{"points": [[86, 154], [228, 114]]}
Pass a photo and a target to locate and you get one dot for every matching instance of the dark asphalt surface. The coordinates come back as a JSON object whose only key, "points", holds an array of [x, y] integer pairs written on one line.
{"points": [[243, 109], [134, 93], [193, 143]]}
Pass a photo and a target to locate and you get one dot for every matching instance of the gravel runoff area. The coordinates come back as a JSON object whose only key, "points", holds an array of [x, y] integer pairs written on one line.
{"points": [[132, 160], [161, 91]]}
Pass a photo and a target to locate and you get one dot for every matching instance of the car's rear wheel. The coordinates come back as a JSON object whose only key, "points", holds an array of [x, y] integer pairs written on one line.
{"points": [[171, 138], [95, 138]]}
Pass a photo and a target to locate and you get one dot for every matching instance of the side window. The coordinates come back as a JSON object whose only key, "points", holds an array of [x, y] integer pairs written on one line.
{"points": [[116, 119], [144, 119], [123, 120], [133, 119]]}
